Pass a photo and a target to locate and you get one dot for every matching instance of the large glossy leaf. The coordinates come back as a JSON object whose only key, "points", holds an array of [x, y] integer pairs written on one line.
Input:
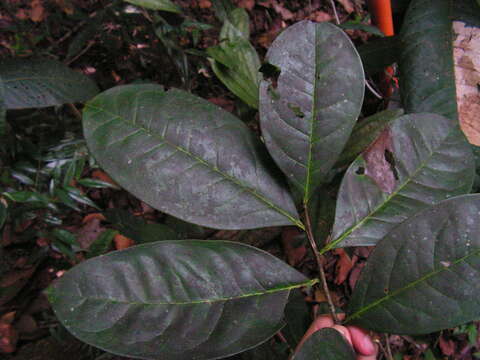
{"points": [[418, 161], [423, 276], [325, 344], [426, 58], [187, 157], [191, 299], [308, 115], [34, 83]]}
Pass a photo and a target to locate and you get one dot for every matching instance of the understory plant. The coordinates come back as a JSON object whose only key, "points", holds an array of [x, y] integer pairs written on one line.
{"points": [[407, 194]]}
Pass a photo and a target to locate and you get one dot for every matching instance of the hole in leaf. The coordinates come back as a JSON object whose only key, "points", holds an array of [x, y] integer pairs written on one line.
{"points": [[270, 72], [391, 160], [296, 109], [360, 171]]}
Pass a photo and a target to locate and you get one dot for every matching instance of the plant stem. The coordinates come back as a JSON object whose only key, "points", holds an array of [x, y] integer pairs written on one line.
{"points": [[323, 278]]}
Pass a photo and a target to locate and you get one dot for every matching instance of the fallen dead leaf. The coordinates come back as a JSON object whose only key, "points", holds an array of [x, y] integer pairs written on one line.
{"points": [[447, 346], [204, 4], [320, 16], [347, 5], [100, 175], [37, 12], [343, 267], [122, 242], [246, 4], [223, 103], [92, 216], [26, 326], [66, 6], [8, 334], [293, 241], [89, 232]]}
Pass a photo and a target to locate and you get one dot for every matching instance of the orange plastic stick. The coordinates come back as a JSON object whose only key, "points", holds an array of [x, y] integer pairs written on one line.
{"points": [[381, 11]]}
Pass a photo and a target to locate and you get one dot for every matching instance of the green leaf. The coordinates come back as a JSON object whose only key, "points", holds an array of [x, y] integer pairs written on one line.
{"points": [[191, 299], [35, 83], [197, 162], [235, 61], [101, 244], [162, 5], [223, 9], [237, 25], [432, 258], [137, 229], [365, 132], [379, 53], [3, 213], [96, 184], [356, 25], [428, 86], [297, 318], [325, 344], [418, 161], [3, 110], [307, 119]]}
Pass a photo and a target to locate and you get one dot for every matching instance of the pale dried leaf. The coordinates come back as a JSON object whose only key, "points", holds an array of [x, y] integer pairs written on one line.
{"points": [[466, 50]]}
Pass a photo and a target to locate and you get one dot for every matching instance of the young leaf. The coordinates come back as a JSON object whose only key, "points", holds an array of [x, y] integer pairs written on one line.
{"points": [[235, 60], [418, 161], [186, 157], [191, 299], [40, 83], [162, 5], [432, 258], [325, 344], [307, 119]]}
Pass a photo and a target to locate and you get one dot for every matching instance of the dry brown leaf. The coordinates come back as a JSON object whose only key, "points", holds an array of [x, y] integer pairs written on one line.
{"points": [[92, 216], [204, 4], [246, 4], [8, 334], [37, 12], [66, 6], [344, 265], [292, 241], [466, 51], [447, 346], [89, 232], [347, 5], [122, 242], [320, 16], [100, 175]]}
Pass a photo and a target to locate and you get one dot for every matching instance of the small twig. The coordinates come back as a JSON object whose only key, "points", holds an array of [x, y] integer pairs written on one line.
{"points": [[81, 53], [323, 278], [389, 350], [374, 92], [337, 20]]}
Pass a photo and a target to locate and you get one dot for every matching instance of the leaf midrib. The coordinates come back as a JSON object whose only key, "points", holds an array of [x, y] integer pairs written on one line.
{"points": [[208, 165], [346, 233], [427, 276], [308, 283], [306, 195]]}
